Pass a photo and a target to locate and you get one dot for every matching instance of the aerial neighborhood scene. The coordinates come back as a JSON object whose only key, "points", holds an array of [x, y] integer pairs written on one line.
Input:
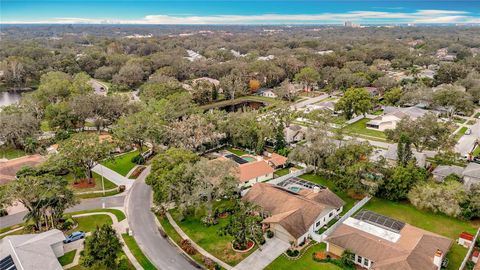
{"points": [[239, 135]]}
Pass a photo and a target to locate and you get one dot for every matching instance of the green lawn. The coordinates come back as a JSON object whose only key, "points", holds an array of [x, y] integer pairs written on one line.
{"points": [[282, 172], [11, 153], [98, 183], [210, 239], [437, 223], [44, 126], [236, 151], [90, 223], [119, 214], [122, 164], [304, 263], [476, 151], [321, 180], [97, 194], [360, 127], [67, 258], [137, 252], [120, 254], [460, 133], [459, 120]]}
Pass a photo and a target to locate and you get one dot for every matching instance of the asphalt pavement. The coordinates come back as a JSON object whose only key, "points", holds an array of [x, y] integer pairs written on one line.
{"points": [[158, 249], [87, 204]]}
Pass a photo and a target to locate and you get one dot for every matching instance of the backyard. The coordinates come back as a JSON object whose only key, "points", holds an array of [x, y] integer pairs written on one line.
{"points": [[122, 164], [306, 262], [236, 151], [209, 237], [360, 127], [437, 223]]}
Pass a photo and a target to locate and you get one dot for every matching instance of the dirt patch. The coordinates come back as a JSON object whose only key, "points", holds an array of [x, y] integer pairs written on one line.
{"points": [[355, 195], [84, 183], [9, 168], [320, 255]]}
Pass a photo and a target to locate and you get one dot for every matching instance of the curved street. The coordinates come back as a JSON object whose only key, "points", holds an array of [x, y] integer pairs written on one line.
{"points": [[161, 253]]}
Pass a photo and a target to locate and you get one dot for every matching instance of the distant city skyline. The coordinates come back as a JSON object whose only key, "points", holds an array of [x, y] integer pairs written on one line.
{"points": [[239, 12]]}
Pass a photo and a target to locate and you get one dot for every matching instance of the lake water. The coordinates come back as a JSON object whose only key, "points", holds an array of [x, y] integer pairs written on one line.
{"points": [[9, 97]]}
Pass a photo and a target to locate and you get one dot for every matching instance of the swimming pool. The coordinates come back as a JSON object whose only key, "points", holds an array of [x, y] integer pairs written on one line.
{"points": [[249, 159], [295, 189]]}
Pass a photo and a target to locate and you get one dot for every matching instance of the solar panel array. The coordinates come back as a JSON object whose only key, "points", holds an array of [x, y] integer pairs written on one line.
{"points": [[7, 263], [380, 220], [236, 158]]}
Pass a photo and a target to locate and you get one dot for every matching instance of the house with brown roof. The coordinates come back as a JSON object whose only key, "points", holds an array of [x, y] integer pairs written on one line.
{"points": [[276, 161], [250, 172], [294, 216], [381, 243]]}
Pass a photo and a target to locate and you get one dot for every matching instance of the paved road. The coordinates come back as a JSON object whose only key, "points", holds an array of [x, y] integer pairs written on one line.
{"points": [[466, 142], [87, 204], [97, 86], [145, 230], [309, 101]]}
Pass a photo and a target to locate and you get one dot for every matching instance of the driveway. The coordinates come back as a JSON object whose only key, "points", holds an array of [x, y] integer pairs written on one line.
{"points": [[145, 231], [87, 204], [259, 259], [113, 176], [466, 142]]}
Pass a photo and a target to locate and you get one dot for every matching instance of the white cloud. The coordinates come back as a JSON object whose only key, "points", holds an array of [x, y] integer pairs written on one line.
{"points": [[420, 16]]}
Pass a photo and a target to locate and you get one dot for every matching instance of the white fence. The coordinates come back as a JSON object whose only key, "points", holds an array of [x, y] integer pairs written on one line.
{"points": [[470, 250], [355, 208]]}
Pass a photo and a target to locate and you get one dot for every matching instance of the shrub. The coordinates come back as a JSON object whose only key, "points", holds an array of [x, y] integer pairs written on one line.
{"points": [[209, 220], [3, 212], [210, 264], [138, 159], [121, 188], [186, 245], [269, 234], [292, 253], [68, 224]]}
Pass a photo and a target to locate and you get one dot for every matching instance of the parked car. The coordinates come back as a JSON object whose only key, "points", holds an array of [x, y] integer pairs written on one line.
{"points": [[74, 237], [468, 132]]}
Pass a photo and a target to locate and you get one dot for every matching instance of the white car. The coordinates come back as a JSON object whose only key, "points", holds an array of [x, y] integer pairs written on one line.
{"points": [[468, 132]]}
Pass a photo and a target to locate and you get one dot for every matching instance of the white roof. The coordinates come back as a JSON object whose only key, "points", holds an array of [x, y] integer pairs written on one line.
{"points": [[372, 229], [29, 251]]}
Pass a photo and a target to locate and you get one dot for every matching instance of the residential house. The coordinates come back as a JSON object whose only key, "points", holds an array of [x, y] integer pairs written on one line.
{"points": [[326, 105], [392, 115], [292, 216], [442, 171], [265, 92], [276, 161], [32, 251], [471, 175], [294, 133], [250, 172], [391, 155], [381, 243]]}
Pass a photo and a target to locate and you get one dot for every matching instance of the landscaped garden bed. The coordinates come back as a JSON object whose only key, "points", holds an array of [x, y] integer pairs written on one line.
{"points": [[305, 262], [209, 237], [136, 172]]}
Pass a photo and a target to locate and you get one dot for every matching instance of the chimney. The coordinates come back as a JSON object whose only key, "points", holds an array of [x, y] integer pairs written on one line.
{"points": [[316, 189], [437, 258]]}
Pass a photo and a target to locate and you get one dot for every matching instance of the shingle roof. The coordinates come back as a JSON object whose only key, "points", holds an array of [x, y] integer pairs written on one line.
{"points": [[415, 249], [446, 170], [294, 212], [472, 170]]}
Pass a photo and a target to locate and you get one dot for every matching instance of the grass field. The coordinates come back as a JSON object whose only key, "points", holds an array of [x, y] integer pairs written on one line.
{"points": [[90, 223], [11, 153], [460, 133], [137, 252], [321, 180], [236, 151], [282, 172], [67, 258], [437, 223], [210, 239], [476, 151], [97, 194], [304, 263], [360, 127], [122, 164]]}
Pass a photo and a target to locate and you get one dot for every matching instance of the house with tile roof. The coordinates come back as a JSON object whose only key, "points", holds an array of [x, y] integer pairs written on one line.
{"points": [[294, 216], [381, 243]]}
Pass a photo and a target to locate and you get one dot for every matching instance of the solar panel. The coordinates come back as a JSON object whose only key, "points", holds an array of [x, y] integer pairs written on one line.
{"points": [[7, 263], [381, 221], [236, 158]]}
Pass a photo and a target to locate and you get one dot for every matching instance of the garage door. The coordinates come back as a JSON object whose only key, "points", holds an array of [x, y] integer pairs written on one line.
{"points": [[282, 236]]}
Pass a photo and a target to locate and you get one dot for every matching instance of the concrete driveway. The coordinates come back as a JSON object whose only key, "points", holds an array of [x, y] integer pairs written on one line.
{"points": [[259, 259], [466, 142]]}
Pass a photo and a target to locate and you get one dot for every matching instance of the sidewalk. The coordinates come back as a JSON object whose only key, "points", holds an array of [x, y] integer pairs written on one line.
{"points": [[197, 247], [113, 176]]}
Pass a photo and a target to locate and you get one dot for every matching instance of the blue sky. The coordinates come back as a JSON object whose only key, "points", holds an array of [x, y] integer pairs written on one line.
{"points": [[239, 12]]}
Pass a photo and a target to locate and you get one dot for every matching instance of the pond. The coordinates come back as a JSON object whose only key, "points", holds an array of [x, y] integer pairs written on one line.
{"points": [[9, 97]]}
